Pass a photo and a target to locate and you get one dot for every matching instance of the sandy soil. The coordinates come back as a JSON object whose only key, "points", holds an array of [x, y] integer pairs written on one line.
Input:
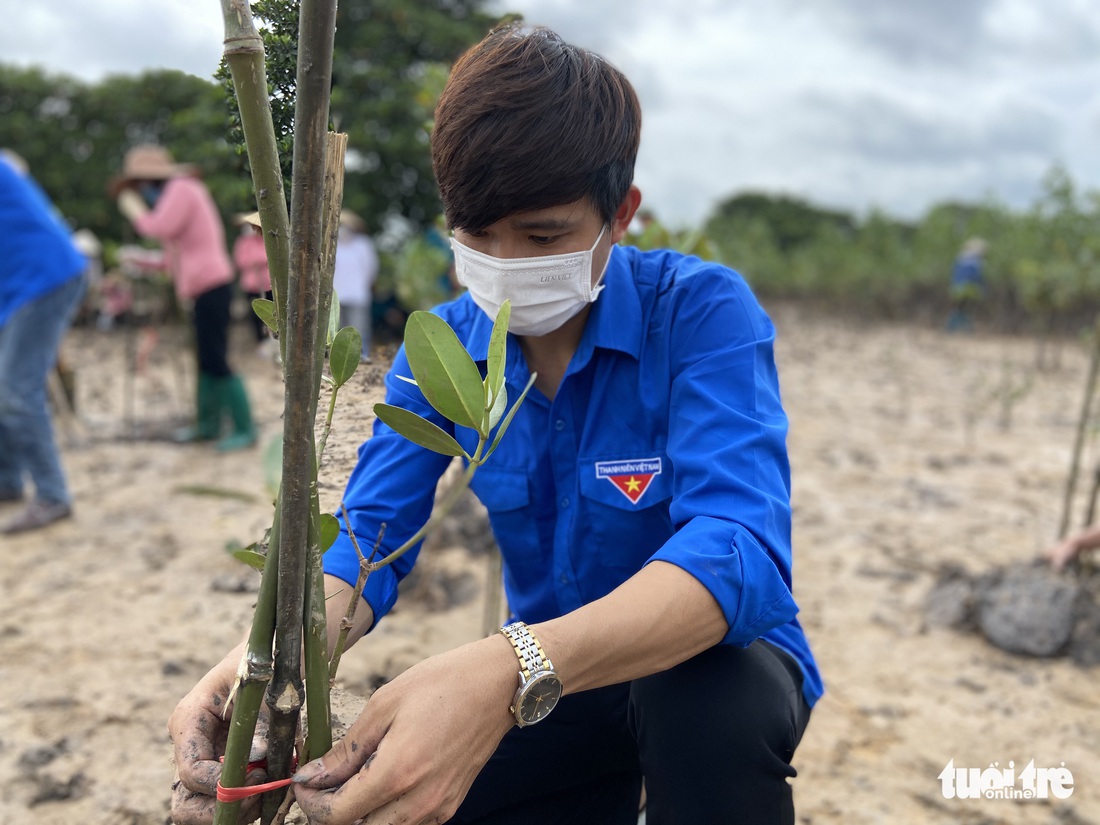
{"points": [[902, 460]]}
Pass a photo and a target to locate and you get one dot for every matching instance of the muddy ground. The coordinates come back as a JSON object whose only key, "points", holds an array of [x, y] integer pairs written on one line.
{"points": [[910, 450]]}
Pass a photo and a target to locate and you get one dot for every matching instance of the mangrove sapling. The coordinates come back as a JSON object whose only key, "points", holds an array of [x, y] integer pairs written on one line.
{"points": [[1011, 392], [301, 287], [288, 633], [452, 384], [1008, 391], [1082, 429], [1094, 493]]}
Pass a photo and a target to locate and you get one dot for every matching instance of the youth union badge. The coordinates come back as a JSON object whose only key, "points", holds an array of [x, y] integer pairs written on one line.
{"points": [[632, 477]]}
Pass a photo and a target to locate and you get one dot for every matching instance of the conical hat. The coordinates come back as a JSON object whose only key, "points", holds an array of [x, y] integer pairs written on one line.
{"points": [[149, 162], [250, 218]]}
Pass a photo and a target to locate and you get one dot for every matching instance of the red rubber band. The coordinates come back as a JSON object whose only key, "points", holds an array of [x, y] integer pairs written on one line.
{"points": [[237, 794]]}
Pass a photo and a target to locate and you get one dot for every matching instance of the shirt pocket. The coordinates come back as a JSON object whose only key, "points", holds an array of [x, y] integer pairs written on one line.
{"points": [[506, 495], [626, 514], [631, 485], [501, 491]]}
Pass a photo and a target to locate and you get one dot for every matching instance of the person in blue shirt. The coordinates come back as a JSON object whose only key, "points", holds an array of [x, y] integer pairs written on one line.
{"points": [[640, 499], [967, 285], [41, 285]]}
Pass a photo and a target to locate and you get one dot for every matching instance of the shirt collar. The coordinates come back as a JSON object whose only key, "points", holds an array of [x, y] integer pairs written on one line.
{"points": [[615, 321]]}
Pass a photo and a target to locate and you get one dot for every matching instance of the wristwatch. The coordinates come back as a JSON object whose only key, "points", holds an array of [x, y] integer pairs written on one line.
{"points": [[539, 685]]}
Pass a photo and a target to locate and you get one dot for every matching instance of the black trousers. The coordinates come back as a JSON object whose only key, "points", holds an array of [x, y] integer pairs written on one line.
{"points": [[713, 739], [211, 319]]}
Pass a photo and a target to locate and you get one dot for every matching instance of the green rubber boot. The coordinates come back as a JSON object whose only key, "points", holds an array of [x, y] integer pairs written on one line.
{"points": [[235, 399], [208, 412]]}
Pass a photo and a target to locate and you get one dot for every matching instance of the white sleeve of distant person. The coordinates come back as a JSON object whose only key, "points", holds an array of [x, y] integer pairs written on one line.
{"points": [[355, 271]]}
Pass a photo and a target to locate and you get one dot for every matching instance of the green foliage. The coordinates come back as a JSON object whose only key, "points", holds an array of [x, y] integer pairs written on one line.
{"points": [[265, 310], [418, 430], [390, 62], [277, 23], [792, 222], [452, 384], [655, 235], [417, 276], [330, 531], [1041, 263], [272, 462], [74, 135], [344, 354], [250, 555], [443, 370]]}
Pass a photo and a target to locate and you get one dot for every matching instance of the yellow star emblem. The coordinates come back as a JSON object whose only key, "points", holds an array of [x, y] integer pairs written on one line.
{"points": [[633, 485]]}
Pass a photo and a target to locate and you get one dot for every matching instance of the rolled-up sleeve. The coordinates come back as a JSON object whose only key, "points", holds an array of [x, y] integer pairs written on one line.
{"points": [[727, 447]]}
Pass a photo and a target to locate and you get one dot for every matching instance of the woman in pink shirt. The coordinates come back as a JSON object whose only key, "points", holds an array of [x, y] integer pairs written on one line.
{"points": [[168, 202], [250, 258]]}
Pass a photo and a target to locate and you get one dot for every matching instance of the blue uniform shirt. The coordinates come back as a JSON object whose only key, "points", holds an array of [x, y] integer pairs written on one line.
{"points": [[36, 253], [967, 270], [665, 441]]}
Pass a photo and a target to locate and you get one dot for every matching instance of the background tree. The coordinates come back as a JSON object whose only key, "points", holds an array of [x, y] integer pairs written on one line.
{"points": [[74, 134], [390, 63], [790, 221]]}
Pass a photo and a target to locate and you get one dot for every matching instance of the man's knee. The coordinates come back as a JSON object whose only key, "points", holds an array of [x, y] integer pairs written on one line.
{"points": [[716, 735], [726, 695]]}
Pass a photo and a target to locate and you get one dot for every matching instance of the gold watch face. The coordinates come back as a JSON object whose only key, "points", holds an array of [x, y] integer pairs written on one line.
{"points": [[538, 698]]}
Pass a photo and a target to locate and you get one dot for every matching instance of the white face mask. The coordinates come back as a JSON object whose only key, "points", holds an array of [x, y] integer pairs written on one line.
{"points": [[545, 291]]}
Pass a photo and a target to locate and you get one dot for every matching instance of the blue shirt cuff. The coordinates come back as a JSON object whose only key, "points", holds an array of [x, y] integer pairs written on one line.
{"points": [[738, 572]]}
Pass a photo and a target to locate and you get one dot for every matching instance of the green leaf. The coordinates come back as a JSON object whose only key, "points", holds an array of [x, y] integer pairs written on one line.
{"points": [[444, 371], [498, 349], [265, 309], [508, 419], [500, 403], [250, 557], [253, 555], [418, 430], [333, 320], [343, 356], [216, 492], [330, 531], [272, 461]]}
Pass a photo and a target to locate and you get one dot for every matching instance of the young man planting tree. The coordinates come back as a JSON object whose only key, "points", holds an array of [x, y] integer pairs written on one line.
{"points": [[640, 500]]}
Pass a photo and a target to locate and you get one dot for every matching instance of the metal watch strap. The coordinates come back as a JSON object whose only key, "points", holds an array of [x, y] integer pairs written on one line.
{"points": [[532, 658]]}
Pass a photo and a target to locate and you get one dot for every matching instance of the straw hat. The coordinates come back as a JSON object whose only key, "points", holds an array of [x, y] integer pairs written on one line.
{"points": [[975, 246], [149, 162], [250, 218]]}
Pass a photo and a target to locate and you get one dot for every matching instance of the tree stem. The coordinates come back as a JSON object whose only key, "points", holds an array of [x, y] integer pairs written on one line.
{"points": [[244, 54], [317, 26], [1082, 430]]}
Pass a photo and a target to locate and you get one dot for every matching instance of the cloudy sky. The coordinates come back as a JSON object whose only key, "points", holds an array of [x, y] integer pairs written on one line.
{"points": [[857, 104]]}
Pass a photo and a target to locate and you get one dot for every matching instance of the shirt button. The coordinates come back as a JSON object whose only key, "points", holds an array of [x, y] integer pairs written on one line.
{"points": [[559, 425], [564, 502], [564, 579]]}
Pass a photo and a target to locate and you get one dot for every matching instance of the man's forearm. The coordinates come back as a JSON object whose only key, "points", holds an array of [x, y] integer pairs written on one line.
{"points": [[337, 595], [660, 617]]}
